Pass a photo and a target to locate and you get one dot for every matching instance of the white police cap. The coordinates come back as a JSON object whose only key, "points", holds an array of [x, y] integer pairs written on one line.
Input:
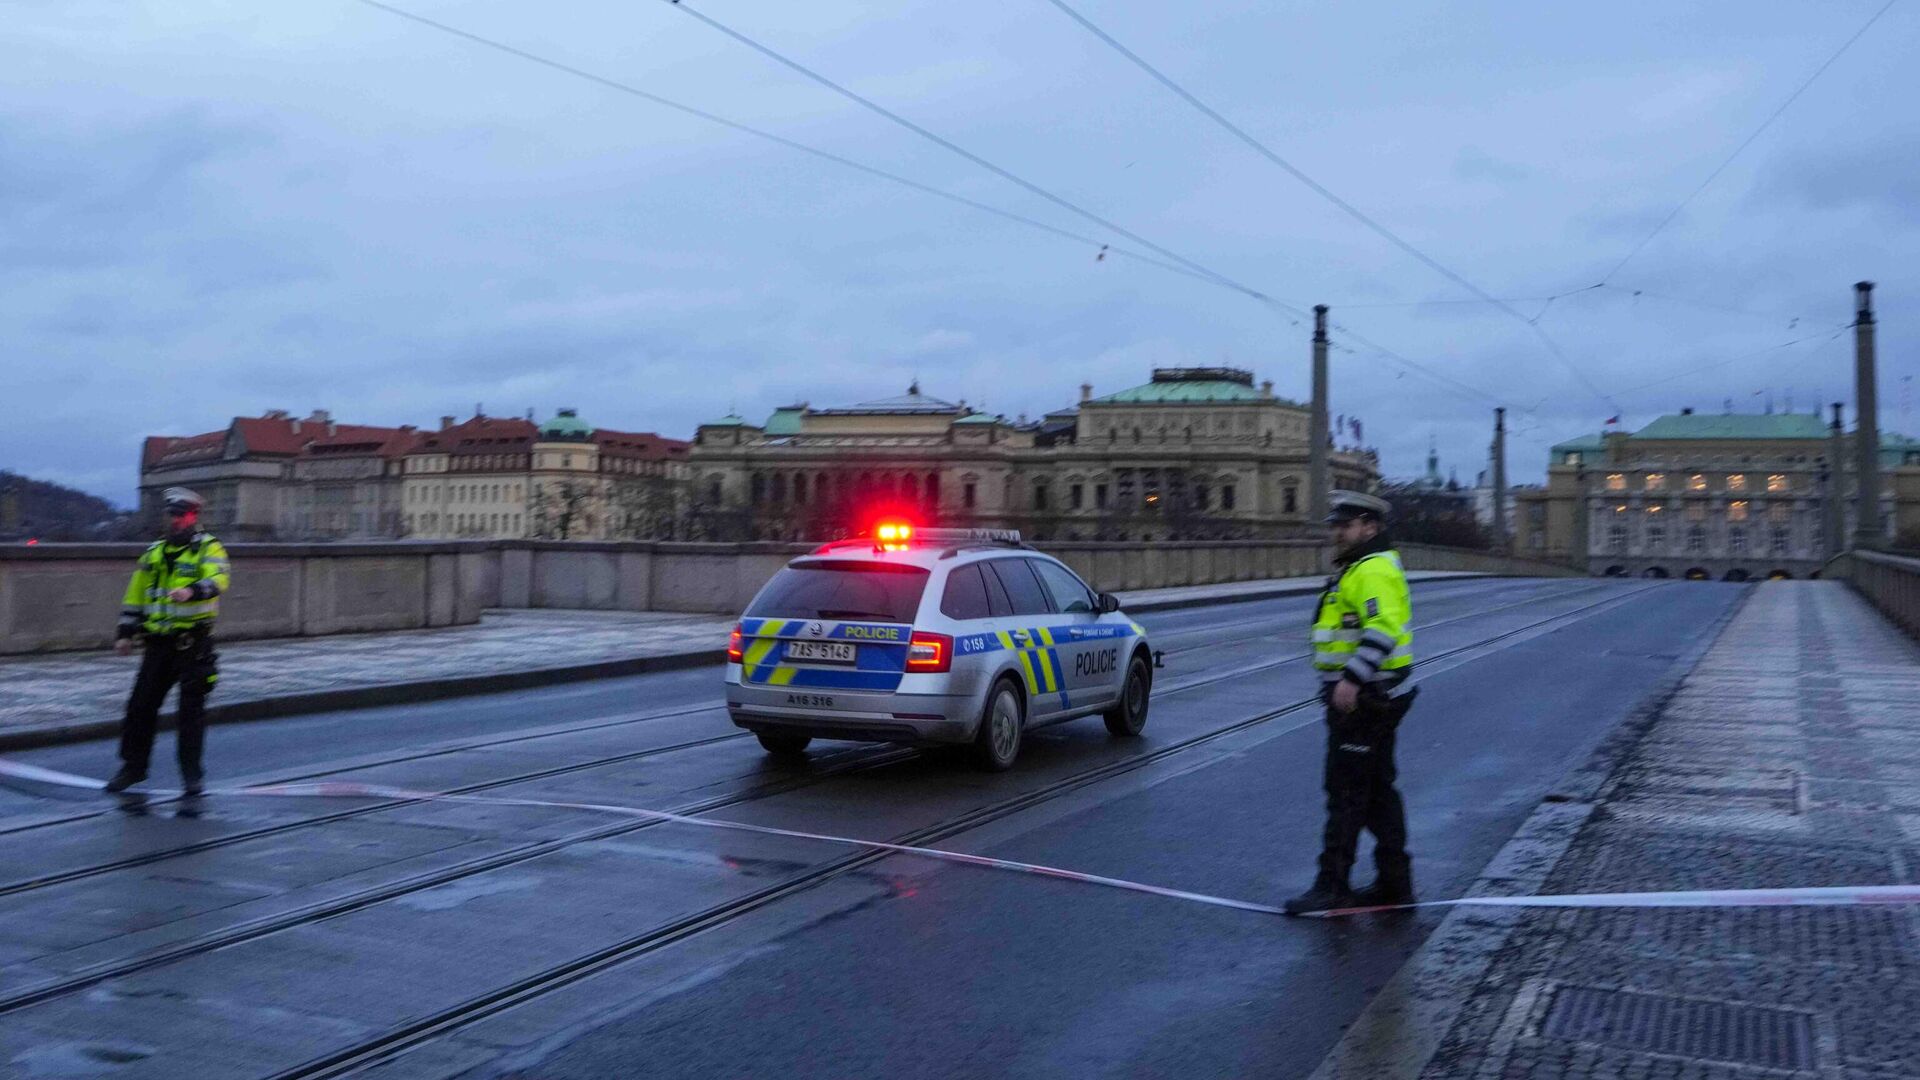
{"points": [[1347, 505], [179, 498]]}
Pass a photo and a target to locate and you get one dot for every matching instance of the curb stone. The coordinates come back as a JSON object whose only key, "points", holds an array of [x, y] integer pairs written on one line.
{"points": [[1401, 1029]]}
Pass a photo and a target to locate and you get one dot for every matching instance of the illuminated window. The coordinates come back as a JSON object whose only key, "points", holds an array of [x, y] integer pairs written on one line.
{"points": [[1656, 481], [1697, 482], [1776, 482], [1616, 482], [1737, 510], [1737, 482]]}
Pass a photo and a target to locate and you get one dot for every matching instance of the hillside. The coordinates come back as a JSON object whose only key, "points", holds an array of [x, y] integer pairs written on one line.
{"points": [[42, 510]]}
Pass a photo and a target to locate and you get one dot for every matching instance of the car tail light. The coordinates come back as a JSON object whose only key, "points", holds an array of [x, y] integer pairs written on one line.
{"points": [[929, 652], [734, 653]]}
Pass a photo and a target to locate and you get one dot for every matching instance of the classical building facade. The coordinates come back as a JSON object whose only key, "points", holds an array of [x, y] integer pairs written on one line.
{"points": [[275, 477], [1729, 497], [1194, 452]]}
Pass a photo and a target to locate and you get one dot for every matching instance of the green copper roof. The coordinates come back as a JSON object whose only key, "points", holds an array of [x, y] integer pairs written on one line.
{"points": [[1895, 449], [567, 424], [785, 421], [1735, 426], [728, 420], [1584, 444], [978, 418], [1193, 390]]}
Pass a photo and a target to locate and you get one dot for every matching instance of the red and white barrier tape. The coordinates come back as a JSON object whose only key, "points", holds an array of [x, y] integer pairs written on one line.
{"points": [[1826, 896]]}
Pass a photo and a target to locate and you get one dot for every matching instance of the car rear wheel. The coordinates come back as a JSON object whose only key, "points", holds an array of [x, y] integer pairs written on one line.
{"points": [[1129, 714], [998, 741], [782, 745]]}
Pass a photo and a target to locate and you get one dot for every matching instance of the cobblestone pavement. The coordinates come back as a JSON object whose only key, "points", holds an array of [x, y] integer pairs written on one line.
{"points": [[1790, 756], [78, 687]]}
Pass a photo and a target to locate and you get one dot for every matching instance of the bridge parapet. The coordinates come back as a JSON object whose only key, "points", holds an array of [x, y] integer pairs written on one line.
{"points": [[1888, 582], [67, 596]]}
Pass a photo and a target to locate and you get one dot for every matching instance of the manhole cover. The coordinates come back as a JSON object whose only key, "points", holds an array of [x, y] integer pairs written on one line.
{"points": [[1657, 1024]]}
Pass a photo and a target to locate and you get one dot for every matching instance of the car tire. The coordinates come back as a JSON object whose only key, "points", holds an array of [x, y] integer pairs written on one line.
{"points": [[1129, 715], [783, 745], [998, 741]]}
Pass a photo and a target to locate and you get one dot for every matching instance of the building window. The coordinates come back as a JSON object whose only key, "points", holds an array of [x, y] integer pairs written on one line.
{"points": [[1737, 510], [1076, 496], [759, 489], [1616, 481], [1617, 537], [1776, 482], [1696, 539], [1697, 482], [1782, 539], [1656, 481], [1536, 541], [1039, 494], [1780, 513], [1656, 534], [1289, 499], [1736, 542], [566, 461], [1737, 482], [1226, 496], [969, 494], [1574, 457], [779, 487], [1099, 496]]}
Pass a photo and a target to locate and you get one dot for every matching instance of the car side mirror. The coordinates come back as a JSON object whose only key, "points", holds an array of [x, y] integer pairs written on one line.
{"points": [[1109, 603]]}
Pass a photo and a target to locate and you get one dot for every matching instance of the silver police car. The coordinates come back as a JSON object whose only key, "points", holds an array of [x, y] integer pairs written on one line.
{"points": [[941, 636]]}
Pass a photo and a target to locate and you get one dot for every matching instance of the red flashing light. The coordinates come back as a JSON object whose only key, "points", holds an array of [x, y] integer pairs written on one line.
{"points": [[892, 535], [927, 652], [31, 543], [735, 654]]}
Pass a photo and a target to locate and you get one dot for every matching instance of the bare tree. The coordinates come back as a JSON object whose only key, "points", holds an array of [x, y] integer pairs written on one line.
{"points": [[565, 509]]}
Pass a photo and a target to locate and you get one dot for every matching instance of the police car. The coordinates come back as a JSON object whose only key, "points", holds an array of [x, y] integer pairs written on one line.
{"points": [[940, 636]]}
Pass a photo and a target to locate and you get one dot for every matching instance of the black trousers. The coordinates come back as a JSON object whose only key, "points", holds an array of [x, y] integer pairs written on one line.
{"points": [[1360, 793], [187, 659]]}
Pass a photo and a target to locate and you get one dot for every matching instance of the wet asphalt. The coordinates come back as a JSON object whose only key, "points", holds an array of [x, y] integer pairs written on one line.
{"points": [[901, 968]]}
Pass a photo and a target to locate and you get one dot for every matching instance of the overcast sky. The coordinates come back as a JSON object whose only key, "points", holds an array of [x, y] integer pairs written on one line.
{"points": [[210, 209]]}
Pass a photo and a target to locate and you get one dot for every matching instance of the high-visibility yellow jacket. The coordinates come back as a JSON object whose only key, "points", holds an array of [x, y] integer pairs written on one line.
{"points": [[200, 565], [1363, 631]]}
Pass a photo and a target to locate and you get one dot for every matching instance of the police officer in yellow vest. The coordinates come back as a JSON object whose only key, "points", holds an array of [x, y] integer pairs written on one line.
{"points": [[170, 605], [1363, 650]]}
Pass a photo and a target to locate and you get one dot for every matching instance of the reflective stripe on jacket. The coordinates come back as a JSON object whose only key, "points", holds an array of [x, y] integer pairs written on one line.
{"points": [[200, 564], [1364, 627]]}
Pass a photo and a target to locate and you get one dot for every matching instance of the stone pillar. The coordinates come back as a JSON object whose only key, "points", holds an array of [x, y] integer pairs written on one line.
{"points": [[1867, 531], [1500, 533], [1834, 510], [1317, 425]]}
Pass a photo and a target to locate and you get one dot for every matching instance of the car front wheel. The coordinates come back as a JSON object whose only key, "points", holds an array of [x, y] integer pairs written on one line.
{"points": [[1129, 714]]}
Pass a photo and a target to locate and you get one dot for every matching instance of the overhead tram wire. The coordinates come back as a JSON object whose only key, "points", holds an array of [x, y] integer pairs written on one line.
{"points": [[880, 110], [1324, 192], [759, 133], [1748, 141], [1189, 269]]}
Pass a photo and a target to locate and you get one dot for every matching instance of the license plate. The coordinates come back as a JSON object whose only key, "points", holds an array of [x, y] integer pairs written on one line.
{"points": [[821, 652]]}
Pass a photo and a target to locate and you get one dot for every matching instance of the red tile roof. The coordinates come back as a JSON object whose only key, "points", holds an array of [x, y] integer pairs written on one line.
{"points": [[284, 436]]}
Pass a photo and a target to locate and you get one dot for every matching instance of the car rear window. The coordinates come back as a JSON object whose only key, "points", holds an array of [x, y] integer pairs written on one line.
{"points": [[854, 591]]}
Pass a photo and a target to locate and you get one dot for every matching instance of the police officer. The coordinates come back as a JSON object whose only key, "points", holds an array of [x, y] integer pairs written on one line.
{"points": [[1363, 649], [171, 603]]}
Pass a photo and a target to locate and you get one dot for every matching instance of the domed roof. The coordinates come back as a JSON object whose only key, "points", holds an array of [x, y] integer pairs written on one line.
{"points": [[567, 425]]}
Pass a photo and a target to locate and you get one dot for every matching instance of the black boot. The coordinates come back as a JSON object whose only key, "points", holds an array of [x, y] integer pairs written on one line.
{"points": [[1329, 891], [126, 778], [1387, 890], [192, 782]]}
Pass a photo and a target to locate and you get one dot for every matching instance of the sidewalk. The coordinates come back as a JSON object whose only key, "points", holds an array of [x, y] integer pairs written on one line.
{"points": [[68, 697], [1789, 756]]}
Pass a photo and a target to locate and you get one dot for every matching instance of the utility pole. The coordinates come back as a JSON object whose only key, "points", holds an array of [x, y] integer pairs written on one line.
{"points": [[1317, 424], [1866, 528], [1500, 533], [1835, 524]]}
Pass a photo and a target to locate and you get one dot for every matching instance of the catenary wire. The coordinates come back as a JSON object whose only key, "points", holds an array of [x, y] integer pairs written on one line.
{"points": [[1324, 192], [1294, 312], [1748, 141]]}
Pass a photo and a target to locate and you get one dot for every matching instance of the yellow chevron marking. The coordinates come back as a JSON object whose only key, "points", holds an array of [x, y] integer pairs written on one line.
{"points": [[1026, 664], [1046, 668], [782, 676]]}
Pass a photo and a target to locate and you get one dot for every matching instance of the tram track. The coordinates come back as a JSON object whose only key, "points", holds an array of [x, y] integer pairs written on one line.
{"points": [[423, 1029], [65, 876], [718, 914]]}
